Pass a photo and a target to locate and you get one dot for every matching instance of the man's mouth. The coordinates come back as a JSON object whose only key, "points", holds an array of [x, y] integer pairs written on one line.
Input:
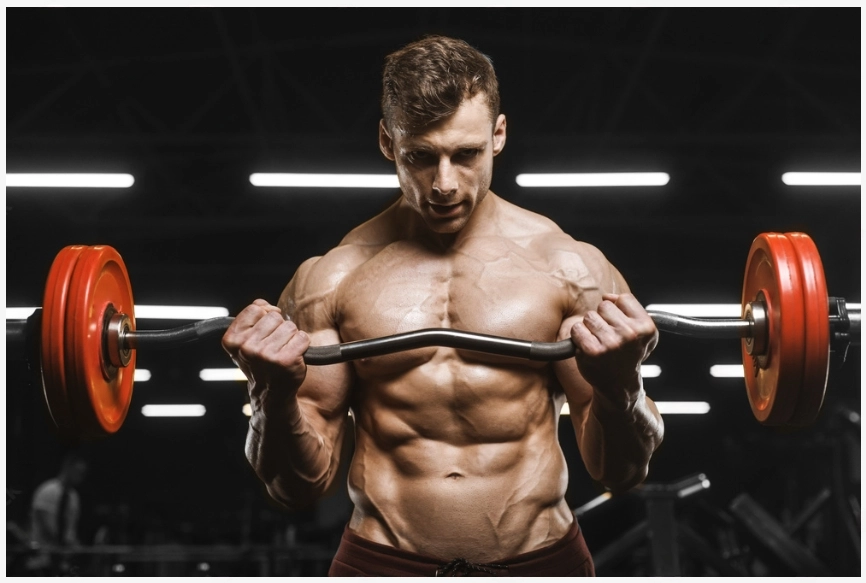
{"points": [[445, 210]]}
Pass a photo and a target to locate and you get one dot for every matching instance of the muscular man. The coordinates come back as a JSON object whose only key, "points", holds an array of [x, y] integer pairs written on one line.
{"points": [[457, 467]]}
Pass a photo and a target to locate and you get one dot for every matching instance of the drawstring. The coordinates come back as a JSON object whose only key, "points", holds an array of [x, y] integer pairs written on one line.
{"points": [[460, 567]]}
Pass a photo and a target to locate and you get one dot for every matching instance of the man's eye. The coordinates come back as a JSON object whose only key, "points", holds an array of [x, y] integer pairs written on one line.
{"points": [[419, 156], [470, 153]]}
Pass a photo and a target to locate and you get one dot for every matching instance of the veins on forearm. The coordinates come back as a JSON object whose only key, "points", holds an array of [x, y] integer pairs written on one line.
{"points": [[622, 441], [290, 457]]}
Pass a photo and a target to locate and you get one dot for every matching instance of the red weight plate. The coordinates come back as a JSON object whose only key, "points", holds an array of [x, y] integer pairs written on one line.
{"points": [[52, 351], [773, 381], [816, 358], [99, 393]]}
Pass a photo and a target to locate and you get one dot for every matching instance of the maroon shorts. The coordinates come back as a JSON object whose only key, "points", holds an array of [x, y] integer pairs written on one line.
{"points": [[359, 557]]}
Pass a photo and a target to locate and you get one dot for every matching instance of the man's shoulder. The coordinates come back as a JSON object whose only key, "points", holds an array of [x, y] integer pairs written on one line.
{"points": [[321, 275], [353, 251], [47, 493], [564, 254], [519, 222], [543, 232]]}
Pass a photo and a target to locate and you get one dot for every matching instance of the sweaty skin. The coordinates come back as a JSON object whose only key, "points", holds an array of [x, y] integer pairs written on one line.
{"points": [[456, 452]]}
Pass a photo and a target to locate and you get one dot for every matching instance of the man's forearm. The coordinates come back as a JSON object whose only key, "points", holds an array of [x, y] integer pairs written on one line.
{"points": [[619, 439], [294, 461]]}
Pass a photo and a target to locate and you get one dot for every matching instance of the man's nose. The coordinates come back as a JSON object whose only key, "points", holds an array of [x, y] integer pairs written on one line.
{"points": [[445, 181]]}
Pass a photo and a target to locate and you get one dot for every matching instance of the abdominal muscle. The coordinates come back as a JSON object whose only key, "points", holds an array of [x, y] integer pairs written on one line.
{"points": [[465, 465]]}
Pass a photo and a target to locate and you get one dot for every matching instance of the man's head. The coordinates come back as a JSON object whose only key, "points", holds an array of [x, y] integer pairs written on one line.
{"points": [[73, 469], [427, 80], [442, 128]]}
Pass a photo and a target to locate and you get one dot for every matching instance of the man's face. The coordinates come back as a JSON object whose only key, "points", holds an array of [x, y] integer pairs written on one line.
{"points": [[76, 473], [445, 169]]}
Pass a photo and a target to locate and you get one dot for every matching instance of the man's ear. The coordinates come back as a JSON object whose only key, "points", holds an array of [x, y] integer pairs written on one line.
{"points": [[499, 134], [386, 142]]}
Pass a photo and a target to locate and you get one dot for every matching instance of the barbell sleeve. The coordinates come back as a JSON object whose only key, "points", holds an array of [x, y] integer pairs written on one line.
{"points": [[136, 339]]}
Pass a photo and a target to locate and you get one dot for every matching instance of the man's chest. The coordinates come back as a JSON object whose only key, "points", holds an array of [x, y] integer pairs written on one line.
{"points": [[498, 289]]}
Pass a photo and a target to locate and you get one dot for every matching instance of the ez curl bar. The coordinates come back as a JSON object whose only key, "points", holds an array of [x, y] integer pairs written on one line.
{"points": [[87, 340]]}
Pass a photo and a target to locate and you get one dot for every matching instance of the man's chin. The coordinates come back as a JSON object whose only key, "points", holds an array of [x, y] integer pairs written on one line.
{"points": [[446, 226]]}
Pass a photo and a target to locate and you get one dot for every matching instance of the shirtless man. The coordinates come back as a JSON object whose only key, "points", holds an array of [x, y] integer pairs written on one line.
{"points": [[457, 467]]}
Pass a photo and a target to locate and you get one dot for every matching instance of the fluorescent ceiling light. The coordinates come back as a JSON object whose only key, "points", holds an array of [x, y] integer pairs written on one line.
{"points": [[821, 178], [650, 371], [699, 310], [70, 180], [179, 312], [597, 179], [173, 410], [669, 408], [221, 374], [146, 312], [19, 313], [326, 180], [727, 371], [683, 407], [141, 375]]}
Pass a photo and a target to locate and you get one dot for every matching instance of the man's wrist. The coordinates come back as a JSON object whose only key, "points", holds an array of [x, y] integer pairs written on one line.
{"points": [[272, 413], [625, 399]]}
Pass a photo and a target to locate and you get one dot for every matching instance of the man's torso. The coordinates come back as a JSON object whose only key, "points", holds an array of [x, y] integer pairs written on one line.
{"points": [[456, 452]]}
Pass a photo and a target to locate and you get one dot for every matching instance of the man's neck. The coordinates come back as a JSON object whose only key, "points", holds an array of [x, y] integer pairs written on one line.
{"points": [[414, 228]]}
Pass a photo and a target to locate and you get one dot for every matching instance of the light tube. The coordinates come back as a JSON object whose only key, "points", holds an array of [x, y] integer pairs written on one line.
{"points": [[727, 371], [179, 312], [221, 374], [699, 310], [141, 375], [325, 180], [70, 180], [821, 178], [19, 313], [146, 312], [669, 408], [683, 407], [173, 410], [593, 179]]}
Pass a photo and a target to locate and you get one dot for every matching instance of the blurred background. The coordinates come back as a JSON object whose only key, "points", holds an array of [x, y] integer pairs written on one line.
{"points": [[192, 101]]}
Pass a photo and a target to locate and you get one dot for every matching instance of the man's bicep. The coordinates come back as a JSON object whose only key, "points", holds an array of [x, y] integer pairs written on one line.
{"points": [[607, 277], [324, 396], [310, 300], [327, 386]]}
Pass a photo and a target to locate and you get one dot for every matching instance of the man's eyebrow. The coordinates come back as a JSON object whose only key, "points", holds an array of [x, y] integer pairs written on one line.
{"points": [[410, 145], [473, 146], [420, 146]]}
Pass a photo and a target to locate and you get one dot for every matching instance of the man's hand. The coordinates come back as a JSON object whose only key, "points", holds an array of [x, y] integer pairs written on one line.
{"points": [[269, 349], [612, 341]]}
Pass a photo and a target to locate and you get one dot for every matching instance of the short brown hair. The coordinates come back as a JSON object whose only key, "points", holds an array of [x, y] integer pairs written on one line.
{"points": [[427, 80]]}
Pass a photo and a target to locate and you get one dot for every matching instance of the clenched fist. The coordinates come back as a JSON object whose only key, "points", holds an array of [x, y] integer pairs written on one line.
{"points": [[612, 341], [269, 349]]}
